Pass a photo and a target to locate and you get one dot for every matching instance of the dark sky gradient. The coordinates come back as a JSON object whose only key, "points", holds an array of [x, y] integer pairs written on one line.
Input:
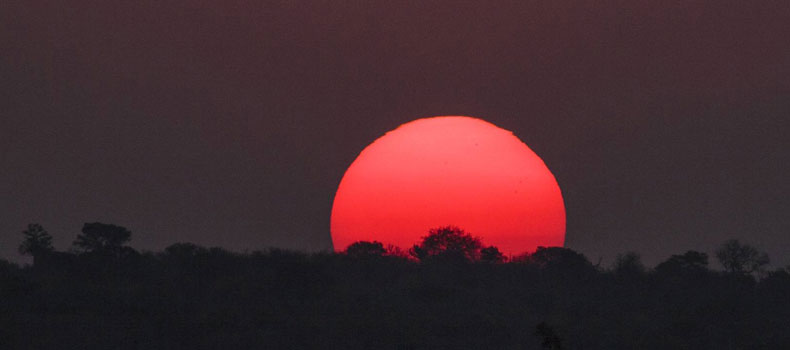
{"points": [[231, 123]]}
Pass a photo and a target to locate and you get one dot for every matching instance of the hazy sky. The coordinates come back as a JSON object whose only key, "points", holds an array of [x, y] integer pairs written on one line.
{"points": [[231, 123]]}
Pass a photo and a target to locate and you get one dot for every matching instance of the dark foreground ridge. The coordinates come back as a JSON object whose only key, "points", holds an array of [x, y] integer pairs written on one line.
{"points": [[448, 292]]}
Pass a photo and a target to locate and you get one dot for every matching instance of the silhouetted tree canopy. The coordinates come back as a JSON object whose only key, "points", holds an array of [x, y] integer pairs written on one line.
{"points": [[690, 262], [36, 241], [738, 258], [492, 255], [365, 250], [448, 242], [559, 259], [629, 264], [99, 237]]}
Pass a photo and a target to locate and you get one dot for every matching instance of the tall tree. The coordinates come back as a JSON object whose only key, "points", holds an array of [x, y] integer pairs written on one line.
{"points": [[37, 241]]}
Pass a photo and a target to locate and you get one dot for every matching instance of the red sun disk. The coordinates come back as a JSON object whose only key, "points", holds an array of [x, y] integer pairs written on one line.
{"points": [[442, 171]]}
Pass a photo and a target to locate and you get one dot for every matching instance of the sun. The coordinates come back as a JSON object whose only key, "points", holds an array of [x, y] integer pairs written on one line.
{"points": [[449, 170]]}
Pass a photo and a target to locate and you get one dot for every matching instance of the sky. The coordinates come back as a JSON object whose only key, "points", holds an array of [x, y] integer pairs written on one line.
{"points": [[231, 123]]}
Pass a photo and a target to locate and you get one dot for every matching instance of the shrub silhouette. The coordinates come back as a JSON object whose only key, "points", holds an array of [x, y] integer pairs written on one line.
{"points": [[184, 250]]}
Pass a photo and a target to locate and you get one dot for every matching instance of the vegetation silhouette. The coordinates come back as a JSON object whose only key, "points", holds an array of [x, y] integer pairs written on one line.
{"points": [[492, 255], [366, 250], [98, 237], [448, 243], [629, 265], [689, 263], [738, 258], [451, 292], [37, 241]]}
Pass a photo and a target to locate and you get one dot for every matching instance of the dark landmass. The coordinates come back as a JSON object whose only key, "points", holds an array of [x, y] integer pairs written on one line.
{"points": [[448, 292]]}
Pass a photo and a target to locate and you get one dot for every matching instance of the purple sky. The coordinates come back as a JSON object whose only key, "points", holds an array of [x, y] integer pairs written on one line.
{"points": [[231, 123]]}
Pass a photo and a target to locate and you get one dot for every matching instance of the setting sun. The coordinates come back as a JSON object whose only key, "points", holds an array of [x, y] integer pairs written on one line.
{"points": [[450, 170]]}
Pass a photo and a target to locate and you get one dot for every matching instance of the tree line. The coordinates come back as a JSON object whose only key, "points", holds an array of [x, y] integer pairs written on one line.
{"points": [[449, 290]]}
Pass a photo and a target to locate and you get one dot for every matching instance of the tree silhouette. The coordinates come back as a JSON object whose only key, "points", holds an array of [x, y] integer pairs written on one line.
{"points": [[37, 241], [741, 259], [448, 242], [629, 264], [102, 238], [558, 258], [492, 255], [184, 250], [397, 252], [689, 262], [365, 249]]}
